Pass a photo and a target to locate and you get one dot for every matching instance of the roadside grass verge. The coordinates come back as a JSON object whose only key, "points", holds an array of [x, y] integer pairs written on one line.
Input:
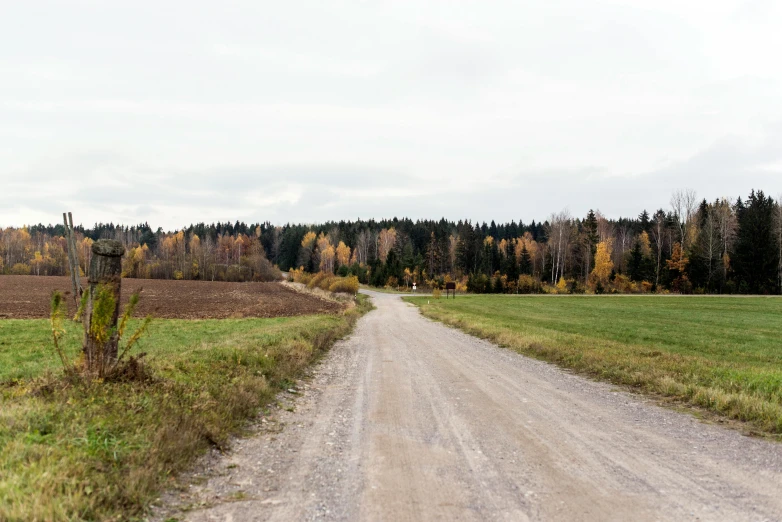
{"points": [[722, 354], [102, 451]]}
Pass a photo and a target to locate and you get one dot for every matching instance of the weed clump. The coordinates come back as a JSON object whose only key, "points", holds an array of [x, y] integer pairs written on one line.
{"points": [[325, 281], [102, 355]]}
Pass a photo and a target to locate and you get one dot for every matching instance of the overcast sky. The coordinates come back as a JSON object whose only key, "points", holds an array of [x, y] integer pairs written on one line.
{"points": [[178, 112]]}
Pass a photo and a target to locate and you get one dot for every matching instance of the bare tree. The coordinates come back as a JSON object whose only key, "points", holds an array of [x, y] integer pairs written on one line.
{"points": [[363, 244], [727, 224], [334, 236], [710, 241], [658, 235], [605, 229], [559, 240], [683, 206], [624, 237], [208, 251]]}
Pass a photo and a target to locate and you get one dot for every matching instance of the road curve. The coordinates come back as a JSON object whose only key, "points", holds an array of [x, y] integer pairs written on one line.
{"points": [[411, 420]]}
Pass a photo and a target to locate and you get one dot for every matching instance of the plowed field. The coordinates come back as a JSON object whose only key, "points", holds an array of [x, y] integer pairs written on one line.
{"points": [[27, 297]]}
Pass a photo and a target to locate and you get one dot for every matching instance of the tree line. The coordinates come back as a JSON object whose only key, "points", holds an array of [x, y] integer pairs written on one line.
{"points": [[721, 246]]}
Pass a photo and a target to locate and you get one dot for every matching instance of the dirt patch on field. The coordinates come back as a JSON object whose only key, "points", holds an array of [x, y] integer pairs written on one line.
{"points": [[27, 297]]}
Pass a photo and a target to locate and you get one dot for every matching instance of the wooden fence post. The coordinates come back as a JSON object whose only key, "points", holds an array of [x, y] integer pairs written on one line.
{"points": [[72, 235], [73, 257], [105, 272]]}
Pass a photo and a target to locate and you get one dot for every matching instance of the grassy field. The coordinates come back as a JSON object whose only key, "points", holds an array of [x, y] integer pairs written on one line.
{"points": [[723, 354], [102, 451]]}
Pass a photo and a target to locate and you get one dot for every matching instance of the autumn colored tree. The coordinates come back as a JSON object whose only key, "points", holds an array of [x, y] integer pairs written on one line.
{"points": [[85, 253], [386, 240], [601, 273], [307, 251], [720, 250], [677, 266], [343, 254], [327, 256]]}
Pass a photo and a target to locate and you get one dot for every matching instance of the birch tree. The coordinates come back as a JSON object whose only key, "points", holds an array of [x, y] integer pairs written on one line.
{"points": [[386, 240], [726, 223], [683, 206], [658, 236], [559, 239], [710, 242], [342, 254], [363, 244]]}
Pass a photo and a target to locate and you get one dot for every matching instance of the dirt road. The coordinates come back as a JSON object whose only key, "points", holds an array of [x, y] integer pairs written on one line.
{"points": [[410, 420]]}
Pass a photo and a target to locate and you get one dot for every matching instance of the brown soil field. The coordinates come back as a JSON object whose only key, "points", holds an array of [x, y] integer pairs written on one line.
{"points": [[28, 297]]}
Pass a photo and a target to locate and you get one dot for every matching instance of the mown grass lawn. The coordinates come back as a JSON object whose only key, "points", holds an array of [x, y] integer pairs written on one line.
{"points": [[71, 450], [720, 353]]}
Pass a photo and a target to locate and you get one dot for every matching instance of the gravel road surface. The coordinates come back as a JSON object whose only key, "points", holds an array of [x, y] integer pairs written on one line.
{"points": [[411, 420]]}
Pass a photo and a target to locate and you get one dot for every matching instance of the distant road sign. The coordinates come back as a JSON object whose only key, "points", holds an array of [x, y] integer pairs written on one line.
{"points": [[450, 287]]}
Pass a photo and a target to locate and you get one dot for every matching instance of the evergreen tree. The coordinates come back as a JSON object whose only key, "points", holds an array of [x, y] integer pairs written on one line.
{"points": [[590, 227], [510, 265], [635, 264], [393, 266], [755, 256], [643, 222], [525, 263]]}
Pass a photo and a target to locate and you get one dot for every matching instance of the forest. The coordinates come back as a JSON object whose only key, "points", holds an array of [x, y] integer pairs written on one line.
{"points": [[694, 246]]}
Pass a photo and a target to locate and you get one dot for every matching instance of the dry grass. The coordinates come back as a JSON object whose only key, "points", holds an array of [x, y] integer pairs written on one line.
{"points": [[102, 450]]}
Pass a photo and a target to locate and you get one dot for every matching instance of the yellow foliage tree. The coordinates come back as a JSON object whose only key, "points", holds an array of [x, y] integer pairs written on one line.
{"points": [[84, 252], [323, 242], [677, 264], [327, 256], [385, 242], [603, 265], [37, 262], [343, 254], [308, 241], [678, 261], [646, 244]]}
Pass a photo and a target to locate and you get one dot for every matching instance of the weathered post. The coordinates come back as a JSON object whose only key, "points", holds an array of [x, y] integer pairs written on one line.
{"points": [[73, 259], [100, 340], [72, 234]]}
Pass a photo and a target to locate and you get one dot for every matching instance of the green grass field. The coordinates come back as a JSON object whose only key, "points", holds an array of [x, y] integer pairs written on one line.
{"points": [[100, 451], [723, 354]]}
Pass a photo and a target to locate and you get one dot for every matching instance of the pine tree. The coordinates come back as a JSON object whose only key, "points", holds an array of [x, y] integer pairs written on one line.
{"points": [[525, 263], [511, 266], [592, 238], [643, 221], [756, 257], [635, 264]]}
